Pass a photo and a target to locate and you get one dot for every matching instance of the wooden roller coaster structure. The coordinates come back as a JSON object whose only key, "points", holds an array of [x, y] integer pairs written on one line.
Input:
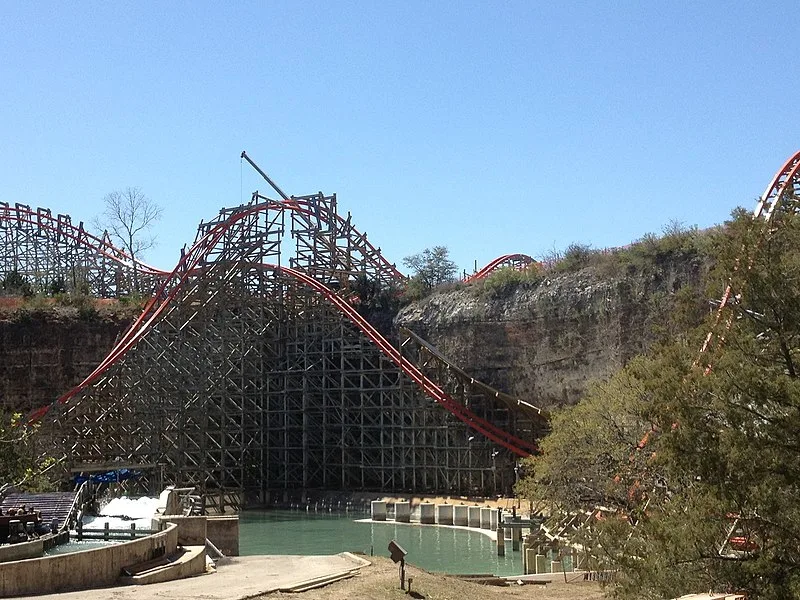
{"points": [[251, 374]]}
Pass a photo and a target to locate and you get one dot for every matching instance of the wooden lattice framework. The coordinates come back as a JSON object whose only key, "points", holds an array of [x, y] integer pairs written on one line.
{"points": [[249, 375], [52, 253]]}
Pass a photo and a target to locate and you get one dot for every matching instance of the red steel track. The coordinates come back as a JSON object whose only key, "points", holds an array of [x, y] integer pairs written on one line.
{"points": [[307, 209], [190, 266], [518, 261], [505, 439], [787, 176], [61, 226]]}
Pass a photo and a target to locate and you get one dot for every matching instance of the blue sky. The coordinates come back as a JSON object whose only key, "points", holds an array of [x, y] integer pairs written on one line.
{"points": [[489, 128]]}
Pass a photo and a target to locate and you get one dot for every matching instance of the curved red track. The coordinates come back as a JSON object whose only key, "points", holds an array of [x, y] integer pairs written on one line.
{"points": [[770, 200], [62, 226], [306, 208], [189, 266], [505, 439], [499, 262]]}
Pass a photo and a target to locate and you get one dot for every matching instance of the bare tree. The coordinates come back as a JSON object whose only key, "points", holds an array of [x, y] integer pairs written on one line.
{"points": [[128, 218]]}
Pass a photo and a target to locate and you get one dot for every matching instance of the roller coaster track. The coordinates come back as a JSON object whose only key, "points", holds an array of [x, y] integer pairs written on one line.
{"points": [[21, 222], [309, 209], [781, 194], [61, 226], [516, 445], [193, 263], [515, 261]]}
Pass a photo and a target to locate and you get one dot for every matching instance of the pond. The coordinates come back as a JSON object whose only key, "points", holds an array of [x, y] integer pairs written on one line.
{"points": [[431, 547]]}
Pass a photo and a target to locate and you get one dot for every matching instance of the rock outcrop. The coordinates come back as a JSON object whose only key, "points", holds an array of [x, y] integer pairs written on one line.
{"points": [[544, 341]]}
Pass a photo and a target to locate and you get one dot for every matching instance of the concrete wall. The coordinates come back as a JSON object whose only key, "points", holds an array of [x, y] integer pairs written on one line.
{"points": [[223, 532], [191, 530], [21, 551], [82, 570], [192, 563]]}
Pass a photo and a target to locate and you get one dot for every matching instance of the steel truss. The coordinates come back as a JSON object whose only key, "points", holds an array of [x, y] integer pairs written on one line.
{"points": [[244, 377]]}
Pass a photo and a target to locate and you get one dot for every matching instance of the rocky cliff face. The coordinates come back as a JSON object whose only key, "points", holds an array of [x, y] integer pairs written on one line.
{"points": [[45, 353], [543, 341]]}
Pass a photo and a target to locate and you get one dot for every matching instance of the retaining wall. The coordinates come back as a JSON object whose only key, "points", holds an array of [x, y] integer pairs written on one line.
{"points": [[223, 532], [82, 570]]}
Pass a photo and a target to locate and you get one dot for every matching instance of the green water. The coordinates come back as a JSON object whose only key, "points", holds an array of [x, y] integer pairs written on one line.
{"points": [[440, 549], [75, 546]]}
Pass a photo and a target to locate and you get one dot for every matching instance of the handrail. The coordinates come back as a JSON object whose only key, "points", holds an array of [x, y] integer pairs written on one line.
{"points": [[84, 491]]}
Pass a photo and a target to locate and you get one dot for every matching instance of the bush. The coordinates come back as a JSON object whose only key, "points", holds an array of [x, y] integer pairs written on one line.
{"points": [[505, 279], [15, 284], [651, 254]]}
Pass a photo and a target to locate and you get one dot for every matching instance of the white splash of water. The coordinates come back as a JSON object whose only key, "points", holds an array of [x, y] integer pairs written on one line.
{"points": [[119, 513]]}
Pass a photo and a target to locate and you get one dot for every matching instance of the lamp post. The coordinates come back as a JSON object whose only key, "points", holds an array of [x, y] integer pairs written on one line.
{"points": [[398, 554]]}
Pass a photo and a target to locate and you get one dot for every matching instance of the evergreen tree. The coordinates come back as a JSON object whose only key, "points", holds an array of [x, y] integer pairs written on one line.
{"points": [[699, 461]]}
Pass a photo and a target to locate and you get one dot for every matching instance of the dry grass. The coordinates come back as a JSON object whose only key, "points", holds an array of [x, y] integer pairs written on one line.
{"points": [[380, 581]]}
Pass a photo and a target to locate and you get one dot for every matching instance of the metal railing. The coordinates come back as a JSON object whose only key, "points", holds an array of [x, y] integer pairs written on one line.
{"points": [[108, 534]]}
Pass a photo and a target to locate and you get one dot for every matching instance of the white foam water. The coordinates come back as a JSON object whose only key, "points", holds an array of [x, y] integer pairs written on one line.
{"points": [[119, 513]]}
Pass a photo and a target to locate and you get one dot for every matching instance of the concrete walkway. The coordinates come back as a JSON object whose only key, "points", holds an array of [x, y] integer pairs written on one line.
{"points": [[236, 579]]}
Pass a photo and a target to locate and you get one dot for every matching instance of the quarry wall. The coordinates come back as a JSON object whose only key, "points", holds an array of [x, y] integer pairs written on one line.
{"points": [[544, 341], [44, 353]]}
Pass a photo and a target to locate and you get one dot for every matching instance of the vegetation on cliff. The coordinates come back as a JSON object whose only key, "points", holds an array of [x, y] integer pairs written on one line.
{"points": [[709, 498], [542, 333]]}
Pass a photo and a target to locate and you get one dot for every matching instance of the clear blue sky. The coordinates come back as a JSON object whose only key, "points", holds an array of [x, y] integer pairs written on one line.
{"points": [[489, 127]]}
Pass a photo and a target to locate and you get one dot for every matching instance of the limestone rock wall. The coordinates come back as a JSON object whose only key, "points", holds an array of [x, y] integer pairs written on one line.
{"points": [[43, 354], [545, 341]]}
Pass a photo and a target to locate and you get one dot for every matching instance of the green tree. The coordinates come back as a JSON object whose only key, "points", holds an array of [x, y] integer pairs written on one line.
{"points": [[431, 267], [376, 303], [18, 463], [712, 499]]}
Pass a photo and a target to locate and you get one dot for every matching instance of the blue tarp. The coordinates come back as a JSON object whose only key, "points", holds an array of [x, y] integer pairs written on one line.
{"points": [[108, 476]]}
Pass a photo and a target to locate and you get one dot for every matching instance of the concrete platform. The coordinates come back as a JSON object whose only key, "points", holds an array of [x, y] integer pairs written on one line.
{"points": [[237, 578]]}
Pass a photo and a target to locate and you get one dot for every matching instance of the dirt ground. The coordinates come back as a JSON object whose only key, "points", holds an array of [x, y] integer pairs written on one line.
{"points": [[381, 581]]}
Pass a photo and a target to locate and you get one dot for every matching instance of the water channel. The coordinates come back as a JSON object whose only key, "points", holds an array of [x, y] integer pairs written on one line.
{"points": [[431, 547], [119, 513]]}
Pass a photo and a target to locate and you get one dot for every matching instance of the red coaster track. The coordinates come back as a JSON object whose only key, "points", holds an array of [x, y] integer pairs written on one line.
{"points": [[192, 265], [61, 227], [516, 261]]}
